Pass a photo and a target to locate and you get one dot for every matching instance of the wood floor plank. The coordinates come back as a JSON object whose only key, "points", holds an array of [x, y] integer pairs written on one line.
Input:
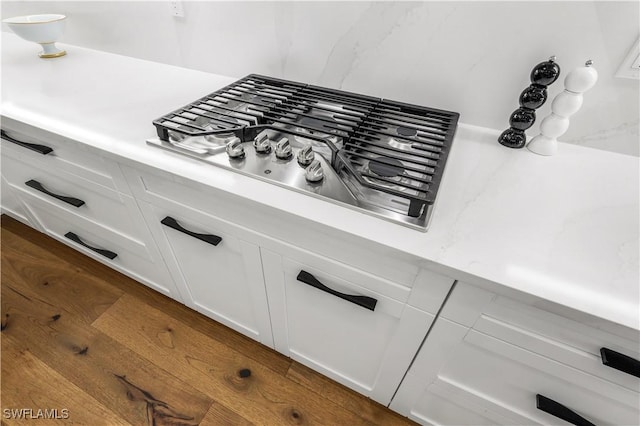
{"points": [[48, 249], [127, 384], [219, 415], [345, 397], [30, 273], [243, 385], [29, 384]]}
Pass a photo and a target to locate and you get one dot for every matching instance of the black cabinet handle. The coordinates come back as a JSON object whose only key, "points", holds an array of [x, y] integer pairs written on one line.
{"points": [[69, 200], [560, 411], [620, 361], [42, 149], [364, 301], [106, 253], [207, 238]]}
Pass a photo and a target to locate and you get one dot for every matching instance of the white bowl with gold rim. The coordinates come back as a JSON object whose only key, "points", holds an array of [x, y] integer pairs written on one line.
{"points": [[43, 29]]}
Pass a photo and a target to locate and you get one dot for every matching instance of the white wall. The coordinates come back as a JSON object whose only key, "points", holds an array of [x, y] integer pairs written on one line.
{"points": [[470, 57]]}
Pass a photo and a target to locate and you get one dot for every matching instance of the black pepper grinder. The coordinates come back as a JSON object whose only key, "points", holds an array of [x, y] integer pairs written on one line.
{"points": [[531, 98]]}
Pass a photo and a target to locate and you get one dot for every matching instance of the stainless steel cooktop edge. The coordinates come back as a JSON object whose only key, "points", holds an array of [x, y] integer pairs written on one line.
{"points": [[292, 179]]}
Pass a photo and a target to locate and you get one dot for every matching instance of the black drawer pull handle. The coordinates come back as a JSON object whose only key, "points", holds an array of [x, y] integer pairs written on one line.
{"points": [[620, 362], [69, 200], [106, 253], [207, 238], [42, 149], [560, 411], [364, 301]]}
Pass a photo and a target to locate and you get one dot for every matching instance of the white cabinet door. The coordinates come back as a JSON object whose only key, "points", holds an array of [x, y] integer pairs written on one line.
{"points": [[358, 336], [218, 274]]}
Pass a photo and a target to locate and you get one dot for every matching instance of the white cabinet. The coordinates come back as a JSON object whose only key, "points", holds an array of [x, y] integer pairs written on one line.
{"points": [[490, 359], [218, 274], [73, 194], [316, 310], [141, 262], [349, 325]]}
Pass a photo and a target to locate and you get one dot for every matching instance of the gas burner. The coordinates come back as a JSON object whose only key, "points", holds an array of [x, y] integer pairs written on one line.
{"points": [[406, 131], [217, 122], [220, 138], [404, 145], [188, 119], [391, 176], [386, 169]]}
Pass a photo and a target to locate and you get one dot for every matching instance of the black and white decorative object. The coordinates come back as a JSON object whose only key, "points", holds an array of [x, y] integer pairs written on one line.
{"points": [[531, 98], [563, 106]]}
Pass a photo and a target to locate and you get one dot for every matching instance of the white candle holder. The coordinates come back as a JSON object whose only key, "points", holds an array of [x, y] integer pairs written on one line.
{"points": [[563, 106]]}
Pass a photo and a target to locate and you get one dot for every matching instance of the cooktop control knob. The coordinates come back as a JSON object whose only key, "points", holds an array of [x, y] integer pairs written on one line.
{"points": [[262, 144], [283, 149], [305, 156], [235, 148], [314, 172]]}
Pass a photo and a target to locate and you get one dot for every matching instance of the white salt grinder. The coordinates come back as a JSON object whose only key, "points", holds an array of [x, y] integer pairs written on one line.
{"points": [[563, 106]]}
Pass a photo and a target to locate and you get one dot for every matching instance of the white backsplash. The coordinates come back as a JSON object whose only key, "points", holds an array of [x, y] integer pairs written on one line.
{"points": [[469, 57]]}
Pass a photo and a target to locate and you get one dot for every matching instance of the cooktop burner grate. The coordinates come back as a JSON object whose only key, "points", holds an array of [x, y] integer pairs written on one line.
{"points": [[389, 147], [413, 141]]}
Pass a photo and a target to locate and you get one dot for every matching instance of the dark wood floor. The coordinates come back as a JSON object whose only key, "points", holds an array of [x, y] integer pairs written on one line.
{"points": [[81, 337]]}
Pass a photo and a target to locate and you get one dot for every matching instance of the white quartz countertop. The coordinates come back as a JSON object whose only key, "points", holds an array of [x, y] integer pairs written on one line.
{"points": [[563, 228]]}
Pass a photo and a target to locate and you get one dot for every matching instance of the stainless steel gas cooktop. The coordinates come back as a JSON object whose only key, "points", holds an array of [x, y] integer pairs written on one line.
{"points": [[378, 156]]}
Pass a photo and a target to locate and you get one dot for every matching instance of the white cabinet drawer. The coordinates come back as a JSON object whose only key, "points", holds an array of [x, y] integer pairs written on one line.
{"points": [[535, 327], [59, 153], [497, 383], [360, 337], [133, 258], [112, 209], [499, 371]]}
